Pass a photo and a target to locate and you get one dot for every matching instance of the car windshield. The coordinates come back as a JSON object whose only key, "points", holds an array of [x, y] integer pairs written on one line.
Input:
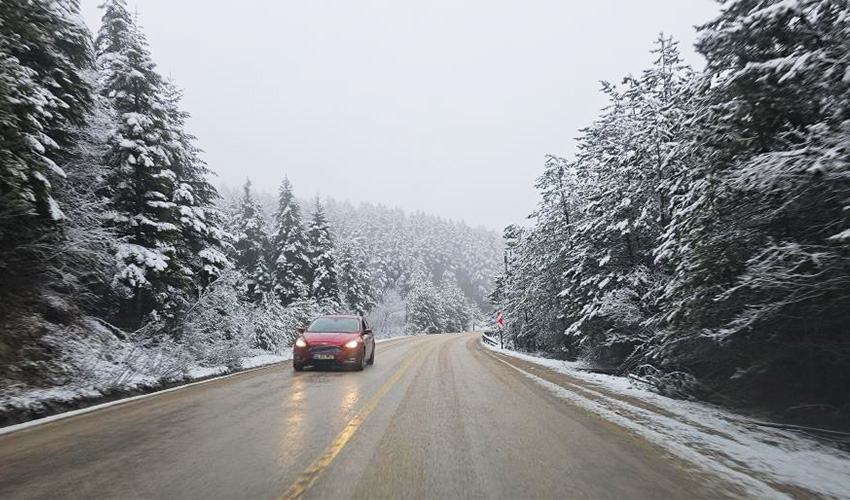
{"points": [[335, 325]]}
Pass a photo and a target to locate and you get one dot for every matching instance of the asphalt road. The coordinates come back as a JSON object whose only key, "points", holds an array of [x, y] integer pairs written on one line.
{"points": [[435, 417]]}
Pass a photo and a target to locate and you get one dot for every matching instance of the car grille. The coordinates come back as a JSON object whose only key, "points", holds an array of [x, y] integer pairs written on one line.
{"points": [[328, 349]]}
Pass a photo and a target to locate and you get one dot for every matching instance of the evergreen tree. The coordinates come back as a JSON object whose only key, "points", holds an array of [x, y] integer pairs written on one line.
{"points": [[43, 54], [290, 261], [252, 247], [623, 170], [456, 307], [758, 230], [320, 248], [268, 327], [45, 101], [424, 309], [587, 267], [759, 237], [201, 248], [355, 279], [140, 181]]}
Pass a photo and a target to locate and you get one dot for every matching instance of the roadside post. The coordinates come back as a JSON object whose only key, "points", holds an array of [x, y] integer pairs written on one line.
{"points": [[500, 325]]}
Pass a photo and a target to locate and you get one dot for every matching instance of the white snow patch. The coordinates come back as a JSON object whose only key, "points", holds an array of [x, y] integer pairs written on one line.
{"points": [[265, 359], [96, 363], [841, 237], [260, 358], [399, 337], [56, 212], [196, 372], [60, 416]]}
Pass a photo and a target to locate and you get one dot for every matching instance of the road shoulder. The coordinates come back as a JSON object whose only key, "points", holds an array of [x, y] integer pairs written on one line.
{"points": [[767, 463]]}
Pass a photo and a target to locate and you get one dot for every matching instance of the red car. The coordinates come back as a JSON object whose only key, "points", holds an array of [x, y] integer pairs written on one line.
{"points": [[335, 340]]}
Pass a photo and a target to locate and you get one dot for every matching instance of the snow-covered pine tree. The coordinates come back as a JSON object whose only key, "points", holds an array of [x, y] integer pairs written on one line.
{"points": [[759, 226], [43, 53], [759, 239], [541, 260], [200, 251], [355, 280], [140, 181], [252, 246], [424, 308], [44, 102], [269, 324], [624, 170], [587, 266], [289, 260], [320, 252], [457, 308], [524, 291]]}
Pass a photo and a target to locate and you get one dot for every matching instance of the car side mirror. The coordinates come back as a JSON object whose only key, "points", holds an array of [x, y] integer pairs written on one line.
{"points": [[300, 329], [367, 331]]}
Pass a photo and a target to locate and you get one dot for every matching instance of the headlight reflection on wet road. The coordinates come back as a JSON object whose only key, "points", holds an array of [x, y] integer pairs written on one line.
{"points": [[294, 412]]}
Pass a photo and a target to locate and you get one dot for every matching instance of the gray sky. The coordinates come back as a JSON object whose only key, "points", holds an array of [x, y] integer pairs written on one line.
{"points": [[443, 106]]}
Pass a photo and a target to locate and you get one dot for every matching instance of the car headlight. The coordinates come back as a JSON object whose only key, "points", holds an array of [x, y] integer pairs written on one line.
{"points": [[300, 343], [352, 344]]}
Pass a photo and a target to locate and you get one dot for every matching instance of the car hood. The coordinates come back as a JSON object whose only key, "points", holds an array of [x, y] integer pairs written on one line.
{"points": [[316, 338]]}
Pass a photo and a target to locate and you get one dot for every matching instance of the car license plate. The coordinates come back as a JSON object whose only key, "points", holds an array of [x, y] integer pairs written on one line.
{"points": [[323, 356]]}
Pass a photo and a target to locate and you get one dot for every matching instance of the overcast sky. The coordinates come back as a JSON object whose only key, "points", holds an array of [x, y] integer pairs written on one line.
{"points": [[442, 106]]}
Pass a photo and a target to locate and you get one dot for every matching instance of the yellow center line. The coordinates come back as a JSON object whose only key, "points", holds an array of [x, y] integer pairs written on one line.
{"points": [[309, 477]]}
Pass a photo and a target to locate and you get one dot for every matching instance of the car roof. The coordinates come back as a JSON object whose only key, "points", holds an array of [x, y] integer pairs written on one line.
{"points": [[355, 316]]}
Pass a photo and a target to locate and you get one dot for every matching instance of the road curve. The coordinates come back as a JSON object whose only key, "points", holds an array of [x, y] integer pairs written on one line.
{"points": [[436, 417]]}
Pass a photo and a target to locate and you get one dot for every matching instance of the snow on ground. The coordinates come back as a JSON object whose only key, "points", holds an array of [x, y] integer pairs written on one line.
{"points": [[397, 337], [97, 365], [199, 372], [255, 360], [263, 359], [768, 462]]}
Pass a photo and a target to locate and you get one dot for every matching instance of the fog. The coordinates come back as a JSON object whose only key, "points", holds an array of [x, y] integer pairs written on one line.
{"points": [[444, 107]]}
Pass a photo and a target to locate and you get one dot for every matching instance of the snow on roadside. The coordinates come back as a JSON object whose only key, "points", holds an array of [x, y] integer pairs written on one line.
{"points": [[121, 370], [758, 458], [198, 372], [398, 337], [265, 359]]}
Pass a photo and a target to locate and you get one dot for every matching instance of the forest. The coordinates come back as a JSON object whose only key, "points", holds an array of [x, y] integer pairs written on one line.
{"points": [[698, 239], [122, 265]]}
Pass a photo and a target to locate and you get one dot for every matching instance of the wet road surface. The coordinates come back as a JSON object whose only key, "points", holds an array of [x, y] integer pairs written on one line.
{"points": [[437, 416]]}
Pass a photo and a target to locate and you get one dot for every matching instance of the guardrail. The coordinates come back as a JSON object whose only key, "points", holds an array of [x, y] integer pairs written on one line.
{"points": [[489, 340]]}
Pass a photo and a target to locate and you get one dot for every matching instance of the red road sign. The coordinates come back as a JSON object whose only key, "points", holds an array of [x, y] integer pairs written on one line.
{"points": [[500, 321]]}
